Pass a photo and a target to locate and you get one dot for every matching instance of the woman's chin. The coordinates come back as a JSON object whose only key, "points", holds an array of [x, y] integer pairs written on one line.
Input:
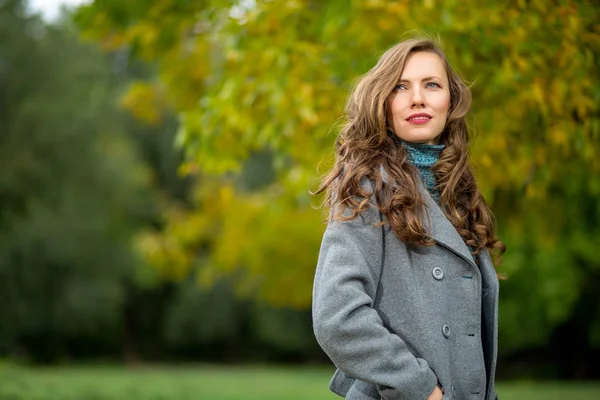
{"points": [[420, 137]]}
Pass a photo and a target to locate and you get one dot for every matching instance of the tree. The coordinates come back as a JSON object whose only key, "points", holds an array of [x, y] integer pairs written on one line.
{"points": [[72, 192], [273, 76]]}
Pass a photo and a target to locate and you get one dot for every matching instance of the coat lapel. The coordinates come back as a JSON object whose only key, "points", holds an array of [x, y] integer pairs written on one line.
{"points": [[438, 226], [442, 230]]}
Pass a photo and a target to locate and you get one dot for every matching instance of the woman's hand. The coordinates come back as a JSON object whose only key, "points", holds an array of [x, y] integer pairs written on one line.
{"points": [[436, 394]]}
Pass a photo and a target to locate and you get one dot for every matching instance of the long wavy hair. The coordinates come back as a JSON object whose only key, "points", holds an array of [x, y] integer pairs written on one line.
{"points": [[366, 146]]}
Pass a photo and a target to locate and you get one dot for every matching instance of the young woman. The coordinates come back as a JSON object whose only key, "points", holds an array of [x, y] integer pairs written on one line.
{"points": [[405, 294]]}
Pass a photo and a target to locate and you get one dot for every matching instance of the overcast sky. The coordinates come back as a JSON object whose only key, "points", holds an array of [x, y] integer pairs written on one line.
{"points": [[49, 8]]}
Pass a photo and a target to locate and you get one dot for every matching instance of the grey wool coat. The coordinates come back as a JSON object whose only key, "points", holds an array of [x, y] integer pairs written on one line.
{"points": [[397, 319]]}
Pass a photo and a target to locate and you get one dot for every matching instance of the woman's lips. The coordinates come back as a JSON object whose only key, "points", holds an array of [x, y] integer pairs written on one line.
{"points": [[419, 119]]}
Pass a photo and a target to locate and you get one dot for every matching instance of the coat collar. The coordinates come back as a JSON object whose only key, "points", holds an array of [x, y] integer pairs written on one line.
{"points": [[438, 226], [442, 230]]}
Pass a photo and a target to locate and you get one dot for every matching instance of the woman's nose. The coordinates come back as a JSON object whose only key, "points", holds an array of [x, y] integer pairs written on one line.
{"points": [[417, 99]]}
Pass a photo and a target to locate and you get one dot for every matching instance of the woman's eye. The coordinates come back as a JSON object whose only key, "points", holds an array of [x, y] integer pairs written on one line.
{"points": [[433, 85], [399, 87]]}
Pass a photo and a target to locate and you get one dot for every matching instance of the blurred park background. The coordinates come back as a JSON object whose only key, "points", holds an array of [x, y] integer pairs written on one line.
{"points": [[157, 237]]}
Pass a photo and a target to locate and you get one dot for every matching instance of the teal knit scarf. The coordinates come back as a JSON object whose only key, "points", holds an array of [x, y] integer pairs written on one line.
{"points": [[423, 156]]}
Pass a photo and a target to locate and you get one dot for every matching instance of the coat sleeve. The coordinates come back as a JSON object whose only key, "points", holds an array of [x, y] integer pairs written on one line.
{"points": [[346, 326]]}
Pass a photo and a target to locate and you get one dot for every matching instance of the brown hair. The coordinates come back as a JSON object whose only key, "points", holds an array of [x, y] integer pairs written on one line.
{"points": [[365, 145]]}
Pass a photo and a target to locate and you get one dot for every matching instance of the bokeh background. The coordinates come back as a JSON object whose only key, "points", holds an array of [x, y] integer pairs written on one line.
{"points": [[157, 235]]}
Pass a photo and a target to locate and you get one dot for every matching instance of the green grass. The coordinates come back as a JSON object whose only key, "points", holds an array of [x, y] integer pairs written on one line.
{"points": [[216, 382]]}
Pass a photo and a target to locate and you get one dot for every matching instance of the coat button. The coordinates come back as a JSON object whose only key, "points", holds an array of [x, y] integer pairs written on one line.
{"points": [[446, 330], [438, 273]]}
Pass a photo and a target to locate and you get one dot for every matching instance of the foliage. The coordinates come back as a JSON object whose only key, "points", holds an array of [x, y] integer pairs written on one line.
{"points": [[67, 210], [273, 76], [80, 179]]}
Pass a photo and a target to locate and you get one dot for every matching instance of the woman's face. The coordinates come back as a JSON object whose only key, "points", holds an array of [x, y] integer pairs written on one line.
{"points": [[419, 104]]}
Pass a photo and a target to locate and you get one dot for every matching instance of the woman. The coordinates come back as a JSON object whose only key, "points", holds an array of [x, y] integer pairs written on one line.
{"points": [[405, 293]]}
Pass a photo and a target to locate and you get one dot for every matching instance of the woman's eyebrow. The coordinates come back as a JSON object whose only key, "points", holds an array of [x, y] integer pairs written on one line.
{"points": [[422, 80]]}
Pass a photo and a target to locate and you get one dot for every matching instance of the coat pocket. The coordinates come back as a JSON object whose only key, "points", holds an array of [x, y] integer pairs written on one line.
{"points": [[447, 393], [340, 383], [363, 391]]}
